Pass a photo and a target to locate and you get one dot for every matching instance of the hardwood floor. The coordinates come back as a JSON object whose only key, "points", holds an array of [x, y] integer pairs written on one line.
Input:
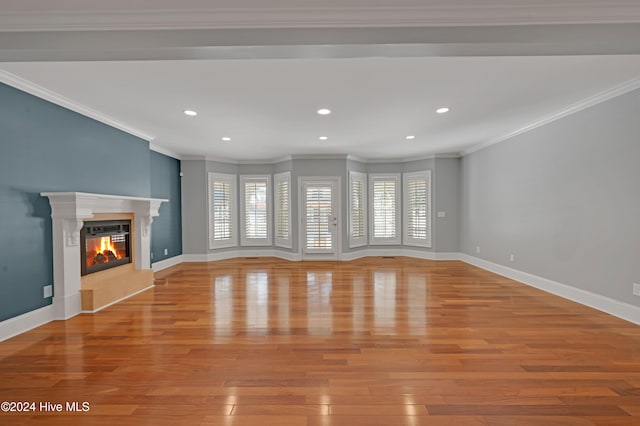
{"points": [[377, 341]]}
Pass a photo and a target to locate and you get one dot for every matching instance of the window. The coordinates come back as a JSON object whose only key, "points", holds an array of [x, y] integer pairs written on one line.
{"points": [[417, 209], [357, 209], [384, 193], [222, 211], [255, 210], [282, 185]]}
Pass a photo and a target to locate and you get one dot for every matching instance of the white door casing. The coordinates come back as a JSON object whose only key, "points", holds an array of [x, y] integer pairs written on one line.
{"points": [[320, 219]]}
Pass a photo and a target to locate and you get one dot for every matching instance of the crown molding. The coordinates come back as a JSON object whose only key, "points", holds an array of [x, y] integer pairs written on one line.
{"points": [[497, 13], [434, 156], [356, 158], [193, 158], [319, 157], [164, 151], [56, 98], [347, 157], [431, 156], [271, 161], [223, 160], [588, 102]]}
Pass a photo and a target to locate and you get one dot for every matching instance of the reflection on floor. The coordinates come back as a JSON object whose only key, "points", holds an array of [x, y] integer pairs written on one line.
{"points": [[375, 341]]}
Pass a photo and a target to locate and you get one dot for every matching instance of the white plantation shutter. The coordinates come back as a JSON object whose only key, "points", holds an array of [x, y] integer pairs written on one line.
{"points": [[255, 214], [417, 208], [385, 206], [222, 211], [319, 213], [384, 209], [256, 210], [282, 184], [357, 209], [222, 205]]}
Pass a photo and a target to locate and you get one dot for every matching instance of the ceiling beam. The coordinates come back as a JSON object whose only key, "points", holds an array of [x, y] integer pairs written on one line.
{"points": [[535, 40]]}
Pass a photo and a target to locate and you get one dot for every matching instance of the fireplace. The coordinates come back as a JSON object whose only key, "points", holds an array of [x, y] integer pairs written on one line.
{"points": [[104, 244], [70, 212]]}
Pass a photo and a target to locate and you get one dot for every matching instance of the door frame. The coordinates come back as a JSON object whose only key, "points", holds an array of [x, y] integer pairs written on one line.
{"points": [[336, 182]]}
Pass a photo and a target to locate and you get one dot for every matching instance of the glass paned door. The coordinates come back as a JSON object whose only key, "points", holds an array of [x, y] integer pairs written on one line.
{"points": [[320, 219]]}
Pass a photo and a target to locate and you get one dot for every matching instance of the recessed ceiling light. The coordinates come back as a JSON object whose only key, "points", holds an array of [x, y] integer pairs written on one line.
{"points": [[323, 138], [226, 138], [190, 113], [324, 111], [410, 137], [442, 110]]}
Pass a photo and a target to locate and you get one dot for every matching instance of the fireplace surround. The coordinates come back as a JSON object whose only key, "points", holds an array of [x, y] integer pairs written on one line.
{"points": [[69, 211]]}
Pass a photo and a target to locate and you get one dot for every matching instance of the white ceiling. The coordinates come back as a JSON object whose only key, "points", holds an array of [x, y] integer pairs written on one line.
{"points": [[380, 85]]}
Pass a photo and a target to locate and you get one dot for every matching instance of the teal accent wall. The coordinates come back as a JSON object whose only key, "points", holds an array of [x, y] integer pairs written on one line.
{"points": [[166, 229], [45, 147]]}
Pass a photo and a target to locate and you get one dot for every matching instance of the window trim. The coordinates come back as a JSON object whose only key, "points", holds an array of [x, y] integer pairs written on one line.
{"points": [[277, 179], [406, 239], [397, 239], [244, 240], [232, 180], [363, 240]]}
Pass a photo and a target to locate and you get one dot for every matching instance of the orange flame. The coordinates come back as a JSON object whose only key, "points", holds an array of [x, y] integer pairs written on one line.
{"points": [[106, 246]]}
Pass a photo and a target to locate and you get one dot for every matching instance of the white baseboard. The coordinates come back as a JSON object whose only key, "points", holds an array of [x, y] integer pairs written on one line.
{"points": [[232, 254], [353, 255], [602, 303], [65, 307], [408, 252], [286, 255], [167, 263], [447, 256], [188, 258], [25, 322]]}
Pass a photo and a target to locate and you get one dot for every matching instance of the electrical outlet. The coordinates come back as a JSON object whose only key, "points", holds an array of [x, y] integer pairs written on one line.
{"points": [[47, 291], [512, 257], [442, 214], [477, 249], [636, 289], [151, 255], [166, 252]]}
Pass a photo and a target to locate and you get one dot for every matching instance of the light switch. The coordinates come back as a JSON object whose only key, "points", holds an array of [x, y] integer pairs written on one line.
{"points": [[442, 214]]}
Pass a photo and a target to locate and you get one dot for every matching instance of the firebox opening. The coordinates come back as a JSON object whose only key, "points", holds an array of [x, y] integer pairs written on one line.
{"points": [[105, 244]]}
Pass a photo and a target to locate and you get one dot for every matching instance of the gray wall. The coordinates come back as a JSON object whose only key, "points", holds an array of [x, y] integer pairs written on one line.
{"points": [[563, 198], [445, 183], [194, 207], [44, 147], [446, 198]]}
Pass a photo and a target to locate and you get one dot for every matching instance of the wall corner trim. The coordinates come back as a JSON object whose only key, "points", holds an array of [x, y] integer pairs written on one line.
{"points": [[605, 304]]}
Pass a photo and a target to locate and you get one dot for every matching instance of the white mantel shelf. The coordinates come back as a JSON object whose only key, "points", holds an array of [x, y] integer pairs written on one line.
{"points": [[69, 210], [105, 196]]}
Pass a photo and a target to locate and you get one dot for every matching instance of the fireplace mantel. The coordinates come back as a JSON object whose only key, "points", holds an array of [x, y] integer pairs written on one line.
{"points": [[69, 210]]}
